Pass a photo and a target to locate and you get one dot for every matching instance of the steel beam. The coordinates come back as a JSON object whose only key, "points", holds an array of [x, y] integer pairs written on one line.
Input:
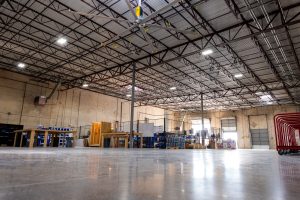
{"points": [[120, 67], [254, 34]]}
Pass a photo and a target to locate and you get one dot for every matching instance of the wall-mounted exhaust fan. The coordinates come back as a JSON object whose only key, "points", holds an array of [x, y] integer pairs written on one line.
{"points": [[42, 100]]}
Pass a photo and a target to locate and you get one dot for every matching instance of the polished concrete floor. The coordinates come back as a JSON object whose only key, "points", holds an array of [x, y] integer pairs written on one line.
{"points": [[87, 174]]}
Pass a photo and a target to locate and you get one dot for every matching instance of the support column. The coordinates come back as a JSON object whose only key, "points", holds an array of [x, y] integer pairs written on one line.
{"points": [[132, 105], [165, 124], [31, 142], [15, 139], [126, 142], [21, 139], [45, 138], [121, 114], [23, 100], [202, 121]]}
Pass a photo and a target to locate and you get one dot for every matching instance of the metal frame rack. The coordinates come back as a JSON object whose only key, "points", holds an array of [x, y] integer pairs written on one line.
{"points": [[287, 128]]}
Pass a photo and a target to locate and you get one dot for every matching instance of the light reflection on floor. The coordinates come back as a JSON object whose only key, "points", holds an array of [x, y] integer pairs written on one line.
{"points": [[147, 174]]}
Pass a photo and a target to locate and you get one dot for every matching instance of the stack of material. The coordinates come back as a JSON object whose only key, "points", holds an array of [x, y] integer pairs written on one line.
{"points": [[175, 141], [96, 133], [212, 144], [229, 144], [148, 142], [170, 141], [198, 146], [161, 140], [194, 146]]}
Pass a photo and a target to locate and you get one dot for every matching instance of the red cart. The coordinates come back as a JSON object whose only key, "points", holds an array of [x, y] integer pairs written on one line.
{"points": [[287, 128]]}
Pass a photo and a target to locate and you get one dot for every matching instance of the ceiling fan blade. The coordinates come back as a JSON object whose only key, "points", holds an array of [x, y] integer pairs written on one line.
{"points": [[119, 35], [99, 16], [147, 39], [160, 10], [171, 29], [131, 9]]}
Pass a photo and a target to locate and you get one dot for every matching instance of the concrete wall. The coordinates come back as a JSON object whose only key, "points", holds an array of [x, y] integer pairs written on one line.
{"points": [[242, 116], [74, 107]]}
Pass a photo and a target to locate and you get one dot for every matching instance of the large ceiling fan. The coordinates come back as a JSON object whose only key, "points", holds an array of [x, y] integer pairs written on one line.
{"points": [[139, 22]]}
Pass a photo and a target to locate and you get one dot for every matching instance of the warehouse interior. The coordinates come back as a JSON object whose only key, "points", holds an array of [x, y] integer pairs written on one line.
{"points": [[149, 99]]}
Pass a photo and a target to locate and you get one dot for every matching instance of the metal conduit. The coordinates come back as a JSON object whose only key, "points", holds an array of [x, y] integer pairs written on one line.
{"points": [[276, 37], [264, 35]]}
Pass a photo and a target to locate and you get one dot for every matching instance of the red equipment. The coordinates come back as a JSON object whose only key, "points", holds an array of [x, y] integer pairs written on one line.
{"points": [[287, 128]]}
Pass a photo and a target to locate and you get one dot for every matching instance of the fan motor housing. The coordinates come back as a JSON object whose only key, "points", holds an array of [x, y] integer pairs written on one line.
{"points": [[40, 100]]}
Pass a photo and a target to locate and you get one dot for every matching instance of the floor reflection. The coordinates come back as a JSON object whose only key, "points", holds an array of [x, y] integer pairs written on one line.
{"points": [[147, 174]]}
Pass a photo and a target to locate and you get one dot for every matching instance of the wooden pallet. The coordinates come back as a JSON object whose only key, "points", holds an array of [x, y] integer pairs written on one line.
{"points": [[94, 145], [172, 147]]}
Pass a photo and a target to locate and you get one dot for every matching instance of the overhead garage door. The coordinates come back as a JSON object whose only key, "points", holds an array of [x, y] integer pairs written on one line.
{"points": [[228, 125], [259, 131]]}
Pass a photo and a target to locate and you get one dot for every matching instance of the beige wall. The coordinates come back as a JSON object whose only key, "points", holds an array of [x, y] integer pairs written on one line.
{"points": [[242, 116], [78, 107], [73, 107]]}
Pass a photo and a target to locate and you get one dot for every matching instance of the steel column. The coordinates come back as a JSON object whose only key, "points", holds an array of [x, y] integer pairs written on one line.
{"points": [[202, 120], [132, 104]]}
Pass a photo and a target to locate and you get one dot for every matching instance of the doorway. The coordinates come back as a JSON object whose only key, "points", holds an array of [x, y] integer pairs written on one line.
{"points": [[259, 131], [229, 130], [197, 125]]}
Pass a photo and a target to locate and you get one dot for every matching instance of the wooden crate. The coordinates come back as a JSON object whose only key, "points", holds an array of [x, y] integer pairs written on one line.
{"points": [[96, 132], [198, 146]]}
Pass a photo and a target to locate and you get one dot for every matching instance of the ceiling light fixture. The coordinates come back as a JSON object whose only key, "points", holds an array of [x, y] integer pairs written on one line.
{"points": [[62, 41], [238, 75], [128, 87], [172, 88], [207, 52], [266, 97], [21, 65], [85, 85]]}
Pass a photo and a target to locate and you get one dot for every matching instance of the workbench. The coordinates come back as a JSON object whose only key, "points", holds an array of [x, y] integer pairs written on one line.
{"points": [[116, 135], [33, 133]]}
